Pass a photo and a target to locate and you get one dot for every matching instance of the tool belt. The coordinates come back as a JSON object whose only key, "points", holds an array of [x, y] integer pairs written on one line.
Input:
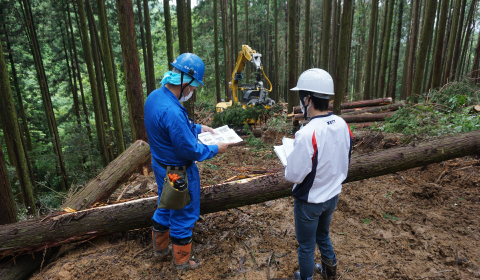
{"points": [[172, 198]]}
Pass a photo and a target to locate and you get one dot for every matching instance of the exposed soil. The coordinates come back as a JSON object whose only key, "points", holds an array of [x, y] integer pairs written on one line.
{"points": [[423, 223]]}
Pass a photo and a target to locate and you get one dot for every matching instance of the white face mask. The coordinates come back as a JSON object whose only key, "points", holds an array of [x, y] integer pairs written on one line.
{"points": [[303, 109], [185, 95]]}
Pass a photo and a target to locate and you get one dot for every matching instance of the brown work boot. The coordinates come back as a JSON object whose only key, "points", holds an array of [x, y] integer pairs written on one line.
{"points": [[181, 257], [160, 243]]}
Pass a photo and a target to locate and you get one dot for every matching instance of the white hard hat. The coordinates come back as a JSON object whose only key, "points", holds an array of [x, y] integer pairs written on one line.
{"points": [[317, 81]]}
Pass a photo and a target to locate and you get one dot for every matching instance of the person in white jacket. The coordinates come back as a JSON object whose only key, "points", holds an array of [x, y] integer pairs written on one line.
{"points": [[318, 165]]}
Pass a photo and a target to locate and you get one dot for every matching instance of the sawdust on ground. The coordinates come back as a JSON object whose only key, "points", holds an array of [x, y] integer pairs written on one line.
{"points": [[422, 223]]}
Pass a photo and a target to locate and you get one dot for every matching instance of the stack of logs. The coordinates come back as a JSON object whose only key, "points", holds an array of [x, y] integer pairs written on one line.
{"points": [[361, 113]]}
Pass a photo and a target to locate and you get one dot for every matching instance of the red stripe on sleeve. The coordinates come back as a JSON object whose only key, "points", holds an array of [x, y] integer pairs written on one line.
{"points": [[351, 134], [314, 143]]}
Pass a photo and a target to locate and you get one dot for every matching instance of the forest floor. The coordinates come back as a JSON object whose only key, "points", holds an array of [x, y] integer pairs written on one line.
{"points": [[422, 223]]}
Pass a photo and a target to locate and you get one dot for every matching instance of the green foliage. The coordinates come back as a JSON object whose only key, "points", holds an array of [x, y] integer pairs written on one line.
{"points": [[389, 216], [253, 141], [212, 166], [236, 115], [447, 111], [279, 123], [366, 221]]}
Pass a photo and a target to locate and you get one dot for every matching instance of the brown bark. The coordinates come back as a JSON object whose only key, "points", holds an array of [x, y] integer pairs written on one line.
{"points": [[385, 108], [114, 174], [7, 203], [357, 104], [370, 49], [148, 37], [358, 118], [412, 47], [341, 77], [133, 80], [34, 235]]}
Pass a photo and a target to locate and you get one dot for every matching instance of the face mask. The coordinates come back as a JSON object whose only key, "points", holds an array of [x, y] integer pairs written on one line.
{"points": [[303, 108], [186, 96]]}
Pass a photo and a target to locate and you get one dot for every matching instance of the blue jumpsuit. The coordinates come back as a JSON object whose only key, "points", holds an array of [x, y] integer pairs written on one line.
{"points": [[173, 141]]}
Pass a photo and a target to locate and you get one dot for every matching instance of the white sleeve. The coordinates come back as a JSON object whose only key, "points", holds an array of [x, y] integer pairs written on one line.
{"points": [[299, 162]]}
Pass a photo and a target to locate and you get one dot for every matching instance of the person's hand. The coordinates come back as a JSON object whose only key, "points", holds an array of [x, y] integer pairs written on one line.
{"points": [[222, 147], [207, 128]]}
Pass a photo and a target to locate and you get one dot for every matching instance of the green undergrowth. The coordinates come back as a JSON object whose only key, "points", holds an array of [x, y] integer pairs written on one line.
{"points": [[445, 111], [238, 116]]}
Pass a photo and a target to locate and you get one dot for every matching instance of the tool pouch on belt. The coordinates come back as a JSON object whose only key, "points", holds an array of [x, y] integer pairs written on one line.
{"points": [[172, 198]]}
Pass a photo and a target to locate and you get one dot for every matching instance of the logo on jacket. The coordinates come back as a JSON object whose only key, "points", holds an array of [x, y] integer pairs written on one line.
{"points": [[331, 122]]}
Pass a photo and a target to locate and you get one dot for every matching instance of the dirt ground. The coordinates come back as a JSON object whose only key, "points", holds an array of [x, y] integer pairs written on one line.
{"points": [[422, 223]]}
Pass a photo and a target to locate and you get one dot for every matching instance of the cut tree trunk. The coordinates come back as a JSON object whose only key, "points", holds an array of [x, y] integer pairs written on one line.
{"points": [[358, 104], [386, 108], [475, 109], [35, 235], [358, 118], [366, 124], [116, 172]]}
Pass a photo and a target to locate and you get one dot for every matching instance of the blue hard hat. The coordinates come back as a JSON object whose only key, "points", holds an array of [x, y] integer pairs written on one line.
{"points": [[190, 64]]}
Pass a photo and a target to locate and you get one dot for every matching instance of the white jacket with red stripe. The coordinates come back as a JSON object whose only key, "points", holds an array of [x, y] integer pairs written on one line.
{"points": [[319, 162]]}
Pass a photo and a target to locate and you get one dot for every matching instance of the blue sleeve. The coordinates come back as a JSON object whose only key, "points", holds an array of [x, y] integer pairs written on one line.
{"points": [[185, 141], [199, 128]]}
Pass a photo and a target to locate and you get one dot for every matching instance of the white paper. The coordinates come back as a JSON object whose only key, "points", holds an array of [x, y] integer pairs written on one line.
{"points": [[284, 150], [222, 134]]}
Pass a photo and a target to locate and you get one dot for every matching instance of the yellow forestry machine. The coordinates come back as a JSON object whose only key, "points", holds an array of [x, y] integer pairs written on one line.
{"points": [[252, 94]]}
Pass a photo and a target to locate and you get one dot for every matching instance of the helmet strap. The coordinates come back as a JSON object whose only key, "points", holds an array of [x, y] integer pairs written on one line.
{"points": [[182, 86]]}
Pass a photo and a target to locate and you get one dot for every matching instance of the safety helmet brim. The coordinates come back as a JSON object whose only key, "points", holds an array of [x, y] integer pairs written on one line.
{"points": [[315, 80]]}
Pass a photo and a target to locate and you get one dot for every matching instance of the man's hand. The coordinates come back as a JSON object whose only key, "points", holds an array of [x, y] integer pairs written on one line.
{"points": [[222, 147], [207, 128]]}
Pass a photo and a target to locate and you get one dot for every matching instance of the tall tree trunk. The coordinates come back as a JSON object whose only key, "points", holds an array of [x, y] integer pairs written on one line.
{"points": [[367, 90], [190, 104], [7, 203], [327, 11], [26, 130], [381, 49], [458, 41], [475, 65], [306, 44], [108, 66], [79, 75], [148, 37], [47, 102], [341, 79], [247, 38], [227, 39], [235, 22], [412, 47], [451, 41], [93, 85], [70, 82], [10, 123], [182, 32], [386, 47], [168, 32], [334, 40], [469, 26], [97, 53], [133, 81], [292, 11], [215, 39], [393, 74], [438, 53], [226, 74], [425, 39], [275, 49], [144, 45]]}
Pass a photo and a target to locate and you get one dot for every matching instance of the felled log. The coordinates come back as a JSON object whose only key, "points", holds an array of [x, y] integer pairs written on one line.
{"points": [[475, 109], [378, 109], [358, 118], [35, 235], [357, 104], [365, 124], [116, 172]]}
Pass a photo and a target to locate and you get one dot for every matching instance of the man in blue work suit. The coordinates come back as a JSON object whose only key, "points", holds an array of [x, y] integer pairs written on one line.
{"points": [[173, 142], [317, 165]]}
